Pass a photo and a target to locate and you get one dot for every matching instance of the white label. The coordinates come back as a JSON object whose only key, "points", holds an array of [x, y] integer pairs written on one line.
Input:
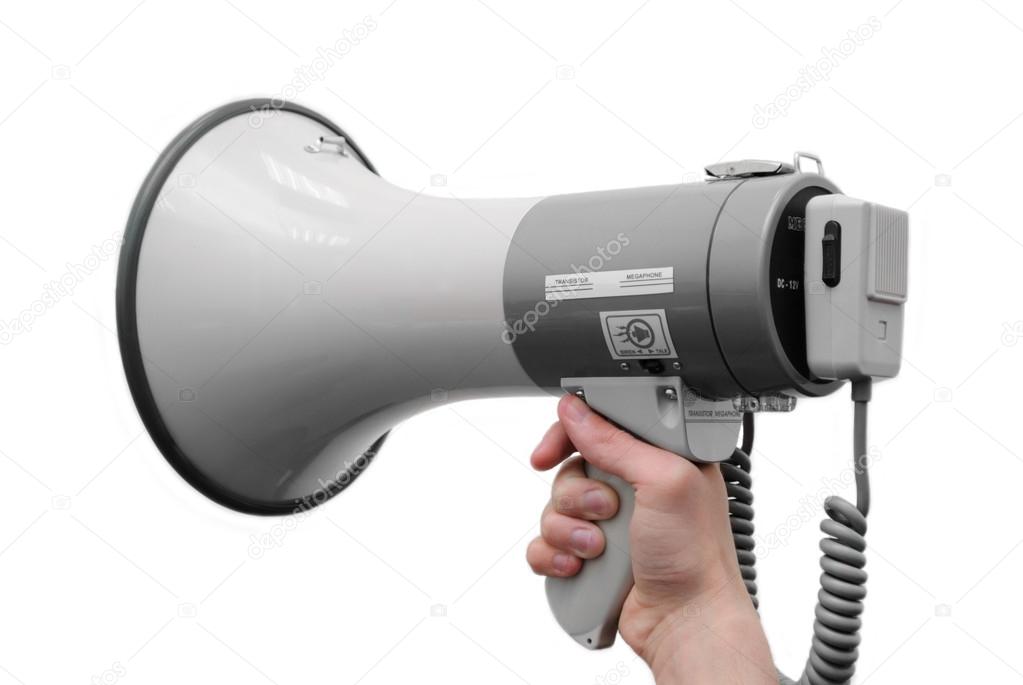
{"points": [[638, 334], [609, 283]]}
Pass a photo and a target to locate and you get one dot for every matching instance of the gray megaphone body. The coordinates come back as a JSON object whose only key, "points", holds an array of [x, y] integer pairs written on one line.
{"points": [[281, 307]]}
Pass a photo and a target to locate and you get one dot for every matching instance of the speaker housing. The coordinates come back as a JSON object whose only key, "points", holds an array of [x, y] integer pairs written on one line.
{"points": [[280, 307]]}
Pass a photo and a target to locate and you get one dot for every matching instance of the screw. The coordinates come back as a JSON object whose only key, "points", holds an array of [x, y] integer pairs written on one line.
{"points": [[624, 366], [580, 394], [671, 394], [676, 365]]}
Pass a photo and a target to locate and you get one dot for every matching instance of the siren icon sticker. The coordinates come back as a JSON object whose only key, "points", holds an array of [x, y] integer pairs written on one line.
{"points": [[637, 334]]}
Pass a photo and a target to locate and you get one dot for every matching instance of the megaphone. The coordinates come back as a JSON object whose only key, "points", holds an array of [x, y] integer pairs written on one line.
{"points": [[281, 307]]}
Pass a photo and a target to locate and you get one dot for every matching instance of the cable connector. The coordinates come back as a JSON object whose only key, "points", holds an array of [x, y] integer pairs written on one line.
{"points": [[862, 389]]}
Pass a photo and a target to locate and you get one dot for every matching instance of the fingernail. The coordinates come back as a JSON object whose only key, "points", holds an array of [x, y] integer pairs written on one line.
{"points": [[596, 502], [562, 562], [581, 540], [576, 409]]}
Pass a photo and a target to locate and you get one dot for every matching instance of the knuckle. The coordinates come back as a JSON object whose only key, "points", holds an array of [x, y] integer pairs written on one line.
{"points": [[547, 525], [609, 435], [569, 469], [614, 441], [564, 504], [681, 477], [564, 498], [535, 555]]}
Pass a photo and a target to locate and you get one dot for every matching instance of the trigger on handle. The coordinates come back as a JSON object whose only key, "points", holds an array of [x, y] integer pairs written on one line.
{"points": [[587, 605]]}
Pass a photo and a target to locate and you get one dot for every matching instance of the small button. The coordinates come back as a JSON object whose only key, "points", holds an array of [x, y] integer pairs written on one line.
{"points": [[831, 245], [652, 366]]}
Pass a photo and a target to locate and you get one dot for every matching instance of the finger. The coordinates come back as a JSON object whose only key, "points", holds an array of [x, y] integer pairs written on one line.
{"points": [[578, 537], [548, 561], [571, 469], [553, 449], [577, 496], [612, 449]]}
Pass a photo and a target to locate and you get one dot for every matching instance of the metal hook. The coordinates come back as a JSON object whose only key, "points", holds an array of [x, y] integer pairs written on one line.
{"points": [[339, 143], [799, 156]]}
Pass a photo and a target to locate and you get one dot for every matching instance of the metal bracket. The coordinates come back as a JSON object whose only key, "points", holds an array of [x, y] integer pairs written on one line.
{"points": [[665, 413], [338, 143], [748, 168], [798, 157], [764, 403], [745, 168]]}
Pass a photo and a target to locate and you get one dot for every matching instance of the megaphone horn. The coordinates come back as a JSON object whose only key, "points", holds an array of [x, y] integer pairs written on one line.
{"points": [[281, 307]]}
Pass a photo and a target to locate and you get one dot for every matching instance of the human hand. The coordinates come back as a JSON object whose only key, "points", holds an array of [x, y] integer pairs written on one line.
{"points": [[689, 598]]}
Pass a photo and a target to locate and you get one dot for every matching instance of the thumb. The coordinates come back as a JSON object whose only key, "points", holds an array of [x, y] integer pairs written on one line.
{"points": [[612, 449]]}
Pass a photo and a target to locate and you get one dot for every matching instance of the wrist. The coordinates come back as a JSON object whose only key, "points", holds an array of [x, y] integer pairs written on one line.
{"points": [[709, 639]]}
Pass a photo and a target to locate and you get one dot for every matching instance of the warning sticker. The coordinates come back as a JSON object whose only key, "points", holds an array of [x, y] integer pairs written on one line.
{"points": [[589, 284], [636, 334]]}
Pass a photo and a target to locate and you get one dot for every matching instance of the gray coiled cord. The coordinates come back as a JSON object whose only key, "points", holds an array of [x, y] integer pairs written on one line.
{"points": [[836, 628]]}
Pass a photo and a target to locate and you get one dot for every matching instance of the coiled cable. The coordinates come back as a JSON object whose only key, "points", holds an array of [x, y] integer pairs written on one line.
{"points": [[738, 483], [836, 628]]}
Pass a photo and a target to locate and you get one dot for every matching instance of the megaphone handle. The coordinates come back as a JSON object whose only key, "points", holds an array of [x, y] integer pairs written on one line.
{"points": [[588, 604]]}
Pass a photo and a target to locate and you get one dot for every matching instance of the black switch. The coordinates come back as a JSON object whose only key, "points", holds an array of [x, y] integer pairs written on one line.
{"points": [[652, 366], [831, 245]]}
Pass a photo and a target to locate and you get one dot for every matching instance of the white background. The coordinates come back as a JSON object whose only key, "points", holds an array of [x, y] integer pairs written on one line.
{"points": [[112, 568]]}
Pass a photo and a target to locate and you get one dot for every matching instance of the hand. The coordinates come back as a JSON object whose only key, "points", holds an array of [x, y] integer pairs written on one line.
{"points": [[688, 616]]}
